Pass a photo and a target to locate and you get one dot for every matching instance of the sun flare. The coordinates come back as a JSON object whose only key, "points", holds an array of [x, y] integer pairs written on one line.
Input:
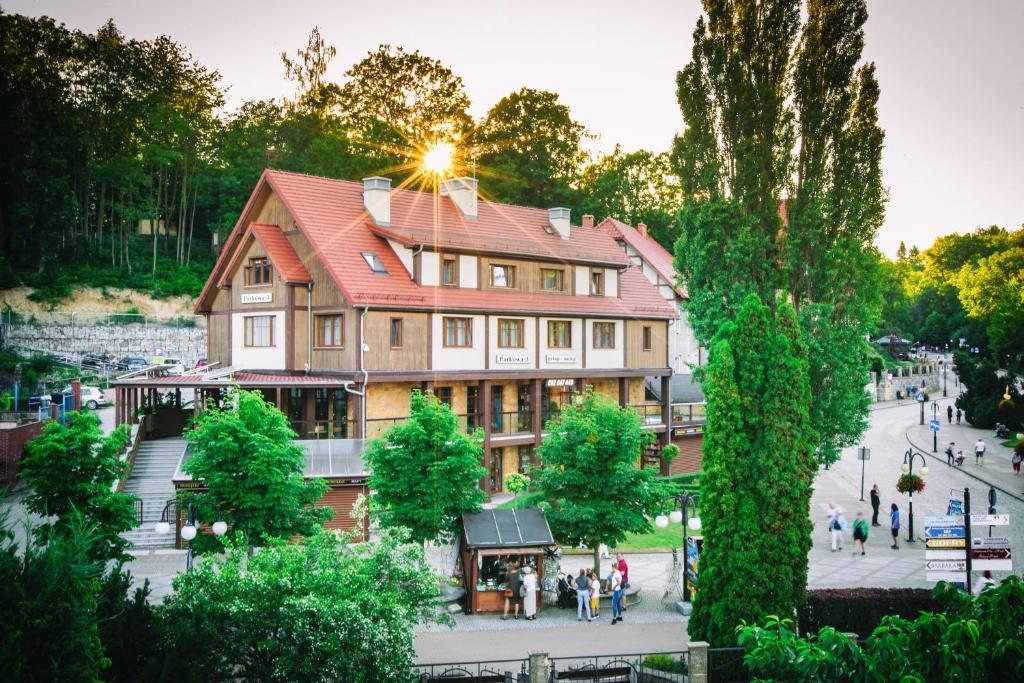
{"points": [[438, 158]]}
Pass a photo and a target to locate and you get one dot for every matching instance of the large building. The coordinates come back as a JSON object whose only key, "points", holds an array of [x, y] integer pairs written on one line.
{"points": [[337, 299]]}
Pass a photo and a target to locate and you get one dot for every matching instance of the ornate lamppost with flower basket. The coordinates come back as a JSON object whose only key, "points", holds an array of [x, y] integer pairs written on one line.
{"points": [[910, 484]]}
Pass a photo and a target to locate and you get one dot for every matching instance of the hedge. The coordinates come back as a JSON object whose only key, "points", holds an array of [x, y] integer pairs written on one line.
{"points": [[859, 610]]}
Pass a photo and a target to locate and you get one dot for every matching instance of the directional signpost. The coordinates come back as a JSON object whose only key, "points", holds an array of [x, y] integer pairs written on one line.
{"points": [[990, 520], [951, 553], [945, 548], [934, 426]]}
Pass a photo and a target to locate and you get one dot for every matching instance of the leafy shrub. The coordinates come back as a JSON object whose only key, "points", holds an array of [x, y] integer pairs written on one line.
{"points": [[517, 483], [666, 663], [860, 610], [669, 452]]}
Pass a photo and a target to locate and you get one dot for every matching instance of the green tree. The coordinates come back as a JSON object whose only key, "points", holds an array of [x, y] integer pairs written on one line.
{"points": [[529, 146], [314, 93], [780, 166], [72, 469], [425, 472], [758, 469], [246, 457], [591, 477], [320, 611], [639, 187]]}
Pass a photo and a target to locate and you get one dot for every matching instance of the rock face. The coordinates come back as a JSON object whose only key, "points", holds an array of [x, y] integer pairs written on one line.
{"points": [[185, 343]]}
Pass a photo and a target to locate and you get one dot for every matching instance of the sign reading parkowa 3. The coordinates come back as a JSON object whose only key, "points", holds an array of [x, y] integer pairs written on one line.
{"points": [[258, 298]]}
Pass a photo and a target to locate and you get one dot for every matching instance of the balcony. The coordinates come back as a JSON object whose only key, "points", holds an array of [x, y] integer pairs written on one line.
{"points": [[689, 414], [512, 423], [650, 413]]}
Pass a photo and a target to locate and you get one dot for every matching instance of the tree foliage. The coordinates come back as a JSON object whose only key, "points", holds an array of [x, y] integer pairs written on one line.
{"points": [[71, 469], [758, 468], [984, 387], [320, 611], [252, 470], [425, 472], [591, 477], [780, 166]]}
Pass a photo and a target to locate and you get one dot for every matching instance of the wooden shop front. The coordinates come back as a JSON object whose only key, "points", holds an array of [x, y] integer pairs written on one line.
{"points": [[491, 540]]}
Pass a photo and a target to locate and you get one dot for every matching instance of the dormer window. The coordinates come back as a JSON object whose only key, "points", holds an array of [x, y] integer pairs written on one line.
{"points": [[259, 272], [376, 265], [597, 282], [503, 276], [450, 271]]}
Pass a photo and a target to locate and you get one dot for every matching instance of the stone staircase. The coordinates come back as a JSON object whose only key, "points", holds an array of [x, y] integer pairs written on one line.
{"points": [[150, 480]]}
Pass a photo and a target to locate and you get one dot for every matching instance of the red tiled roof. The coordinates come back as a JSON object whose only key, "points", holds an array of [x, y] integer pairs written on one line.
{"points": [[281, 252], [648, 248], [331, 215]]}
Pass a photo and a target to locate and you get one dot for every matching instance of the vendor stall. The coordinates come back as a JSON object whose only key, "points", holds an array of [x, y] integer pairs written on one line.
{"points": [[493, 539]]}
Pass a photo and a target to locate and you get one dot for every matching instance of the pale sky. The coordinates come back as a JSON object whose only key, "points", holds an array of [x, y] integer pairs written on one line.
{"points": [[951, 75]]}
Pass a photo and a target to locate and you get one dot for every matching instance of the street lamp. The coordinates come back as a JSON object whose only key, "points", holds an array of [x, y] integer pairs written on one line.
{"points": [[682, 516], [190, 530], [944, 368], [908, 468], [935, 432]]}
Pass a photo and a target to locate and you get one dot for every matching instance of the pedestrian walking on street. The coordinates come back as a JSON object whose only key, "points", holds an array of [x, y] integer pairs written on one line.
{"points": [[617, 591], [860, 534], [894, 523], [949, 414], [876, 503], [583, 596], [835, 530], [950, 456], [529, 593], [979, 452], [1015, 461], [958, 414]]}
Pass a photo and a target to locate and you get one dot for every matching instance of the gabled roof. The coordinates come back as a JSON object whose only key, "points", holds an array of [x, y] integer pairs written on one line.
{"points": [[330, 214], [279, 249], [648, 249]]}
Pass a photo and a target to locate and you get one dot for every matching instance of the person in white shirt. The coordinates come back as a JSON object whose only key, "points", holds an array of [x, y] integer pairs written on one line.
{"points": [[834, 529], [983, 582], [979, 452], [529, 580], [615, 586]]}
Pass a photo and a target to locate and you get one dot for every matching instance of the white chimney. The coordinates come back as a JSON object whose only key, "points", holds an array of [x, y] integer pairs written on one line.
{"points": [[559, 219], [463, 194], [377, 199]]}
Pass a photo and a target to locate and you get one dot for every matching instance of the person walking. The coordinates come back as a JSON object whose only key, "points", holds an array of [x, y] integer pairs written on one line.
{"points": [[860, 533], [512, 583], [894, 524], [958, 414], [979, 452], [834, 529], [949, 414], [950, 456], [624, 570], [595, 594], [583, 596], [983, 582], [617, 591], [1015, 461], [876, 503], [529, 593]]}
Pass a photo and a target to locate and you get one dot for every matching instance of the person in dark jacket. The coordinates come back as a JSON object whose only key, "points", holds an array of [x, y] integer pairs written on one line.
{"points": [[949, 414], [876, 503]]}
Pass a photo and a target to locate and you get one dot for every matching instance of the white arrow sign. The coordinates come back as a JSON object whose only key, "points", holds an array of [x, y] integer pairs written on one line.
{"points": [[955, 577], [944, 554], [994, 542], [990, 520], [946, 565]]}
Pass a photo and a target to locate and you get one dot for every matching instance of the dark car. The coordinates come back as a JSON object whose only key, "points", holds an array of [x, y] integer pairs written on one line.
{"points": [[133, 364]]}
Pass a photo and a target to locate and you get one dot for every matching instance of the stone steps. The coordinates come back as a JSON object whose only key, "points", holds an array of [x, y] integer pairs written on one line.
{"points": [[150, 480]]}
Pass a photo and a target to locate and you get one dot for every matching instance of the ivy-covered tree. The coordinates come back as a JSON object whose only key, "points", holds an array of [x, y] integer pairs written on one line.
{"points": [[72, 468], [425, 472], [758, 469], [780, 164], [251, 468], [596, 490]]}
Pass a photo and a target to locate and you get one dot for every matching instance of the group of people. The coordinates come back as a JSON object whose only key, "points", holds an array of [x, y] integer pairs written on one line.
{"points": [[837, 524], [520, 591], [949, 414], [588, 590], [957, 458]]}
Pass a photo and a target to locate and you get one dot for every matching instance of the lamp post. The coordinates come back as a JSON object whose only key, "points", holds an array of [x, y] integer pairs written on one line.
{"points": [[920, 399], [944, 368], [682, 516], [190, 530], [935, 433], [908, 468]]}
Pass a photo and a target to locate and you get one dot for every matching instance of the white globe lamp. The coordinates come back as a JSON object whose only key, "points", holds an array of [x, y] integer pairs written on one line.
{"points": [[676, 516], [188, 532], [694, 523], [162, 527], [905, 468], [661, 521], [924, 471], [220, 527]]}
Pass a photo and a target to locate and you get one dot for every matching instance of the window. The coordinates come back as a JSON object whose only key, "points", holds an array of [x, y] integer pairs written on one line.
{"points": [[330, 330], [647, 338], [510, 333], [450, 271], [559, 334], [552, 280], [604, 335], [503, 276], [597, 282], [376, 265], [259, 330], [444, 395], [458, 332], [472, 408], [258, 272], [396, 333], [525, 459]]}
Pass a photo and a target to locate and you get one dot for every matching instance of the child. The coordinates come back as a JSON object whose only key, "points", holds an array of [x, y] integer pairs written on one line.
{"points": [[595, 593]]}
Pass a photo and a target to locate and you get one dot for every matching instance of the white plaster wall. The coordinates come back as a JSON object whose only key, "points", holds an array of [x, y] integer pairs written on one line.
{"points": [[529, 349], [611, 282], [650, 273], [577, 344], [467, 271], [469, 358], [582, 280], [263, 358], [683, 349], [606, 358], [667, 292], [404, 255], [430, 268]]}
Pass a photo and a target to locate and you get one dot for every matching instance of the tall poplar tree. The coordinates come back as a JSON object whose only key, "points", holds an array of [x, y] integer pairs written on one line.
{"points": [[780, 163]]}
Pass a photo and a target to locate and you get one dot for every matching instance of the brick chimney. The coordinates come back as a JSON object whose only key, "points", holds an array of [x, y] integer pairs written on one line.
{"points": [[642, 229], [588, 220]]}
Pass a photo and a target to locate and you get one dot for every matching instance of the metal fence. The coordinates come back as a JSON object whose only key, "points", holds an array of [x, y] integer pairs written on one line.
{"points": [[487, 671], [725, 665], [648, 667], [10, 316]]}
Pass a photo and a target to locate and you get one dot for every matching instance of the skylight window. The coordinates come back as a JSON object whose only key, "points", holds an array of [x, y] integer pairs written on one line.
{"points": [[375, 263]]}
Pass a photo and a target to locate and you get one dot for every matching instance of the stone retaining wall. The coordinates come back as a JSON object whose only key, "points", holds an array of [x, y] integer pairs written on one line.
{"points": [[928, 374], [186, 343]]}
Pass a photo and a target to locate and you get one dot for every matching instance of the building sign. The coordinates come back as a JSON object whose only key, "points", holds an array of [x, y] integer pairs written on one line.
{"points": [[560, 358], [259, 298], [506, 358], [561, 383]]}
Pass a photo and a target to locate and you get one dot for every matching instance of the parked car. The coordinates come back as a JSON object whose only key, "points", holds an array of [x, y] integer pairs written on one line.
{"points": [[172, 366], [133, 364], [202, 363], [92, 397]]}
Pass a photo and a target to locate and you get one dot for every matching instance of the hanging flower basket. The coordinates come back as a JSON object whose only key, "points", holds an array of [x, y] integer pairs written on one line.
{"points": [[910, 483]]}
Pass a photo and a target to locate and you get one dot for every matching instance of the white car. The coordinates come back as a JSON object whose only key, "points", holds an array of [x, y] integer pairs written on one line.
{"points": [[92, 397]]}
